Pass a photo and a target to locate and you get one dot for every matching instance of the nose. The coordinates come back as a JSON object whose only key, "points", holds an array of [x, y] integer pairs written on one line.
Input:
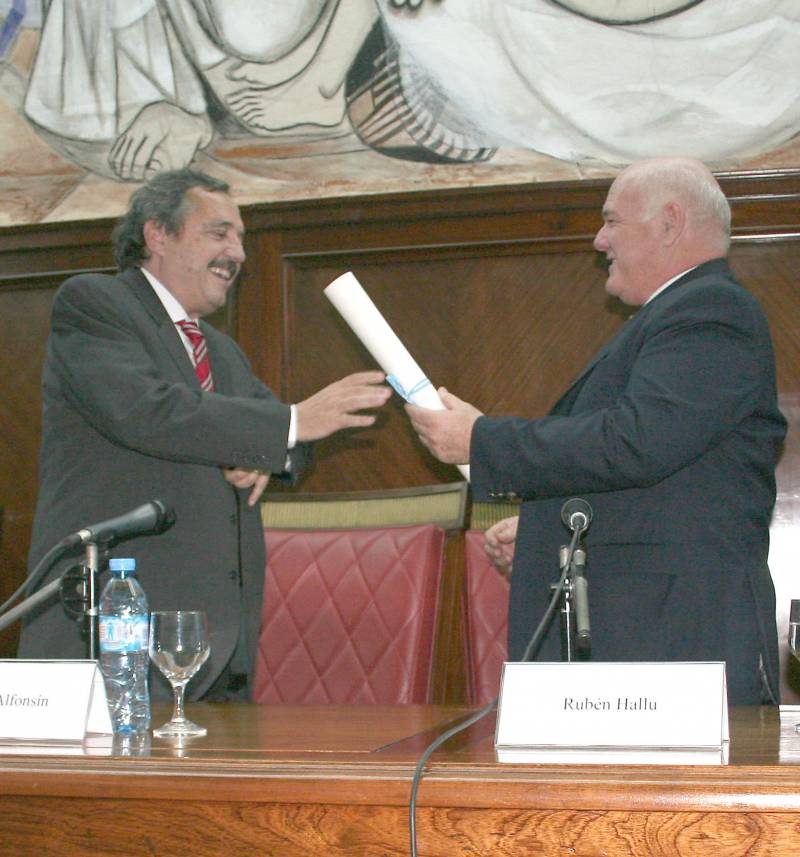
{"points": [[236, 249], [600, 242]]}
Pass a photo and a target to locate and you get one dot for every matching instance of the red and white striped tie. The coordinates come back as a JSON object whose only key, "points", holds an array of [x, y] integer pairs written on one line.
{"points": [[202, 365]]}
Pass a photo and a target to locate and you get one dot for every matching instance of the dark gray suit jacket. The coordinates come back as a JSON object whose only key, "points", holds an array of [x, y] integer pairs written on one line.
{"points": [[125, 422], [671, 433]]}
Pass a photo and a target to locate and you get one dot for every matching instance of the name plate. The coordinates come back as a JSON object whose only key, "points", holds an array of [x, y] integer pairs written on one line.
{"points": [[610, 707], [52, 700]]}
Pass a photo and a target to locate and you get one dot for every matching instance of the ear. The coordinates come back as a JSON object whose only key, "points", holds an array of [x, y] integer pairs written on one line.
{"points": [[673, 218], [155, 236]]}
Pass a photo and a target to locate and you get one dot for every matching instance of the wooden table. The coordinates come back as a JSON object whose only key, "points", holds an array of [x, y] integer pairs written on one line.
{"points": [[334, 780]]}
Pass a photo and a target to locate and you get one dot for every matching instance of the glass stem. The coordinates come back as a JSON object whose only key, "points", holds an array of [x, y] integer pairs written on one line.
{"points": [[177, 712]]}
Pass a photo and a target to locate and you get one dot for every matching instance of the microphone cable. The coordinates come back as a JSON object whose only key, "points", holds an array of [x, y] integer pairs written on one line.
{"points": [[434, 745], [558, 589], [481, 713], [29, 584]]}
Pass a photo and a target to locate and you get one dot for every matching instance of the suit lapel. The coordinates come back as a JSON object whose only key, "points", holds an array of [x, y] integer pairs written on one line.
{"points": [[170, 340], [563, 405]]}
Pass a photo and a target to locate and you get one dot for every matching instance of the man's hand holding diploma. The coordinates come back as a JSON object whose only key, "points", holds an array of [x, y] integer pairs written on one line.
{"points": [[446, 433]]}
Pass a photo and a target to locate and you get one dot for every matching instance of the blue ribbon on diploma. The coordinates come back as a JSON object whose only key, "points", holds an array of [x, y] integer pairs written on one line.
{"points": [[408, 395]]}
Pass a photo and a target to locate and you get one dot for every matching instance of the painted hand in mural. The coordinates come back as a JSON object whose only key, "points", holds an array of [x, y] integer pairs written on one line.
{"points": [[123, 88], [161, 137]]}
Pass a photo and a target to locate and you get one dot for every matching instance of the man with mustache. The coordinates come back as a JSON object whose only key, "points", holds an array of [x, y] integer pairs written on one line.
{"points": [[671, 433], [132, 413]]}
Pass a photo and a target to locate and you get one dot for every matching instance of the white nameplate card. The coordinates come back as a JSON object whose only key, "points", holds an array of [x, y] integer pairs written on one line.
{"points": [[609, 707], [52, 700]]}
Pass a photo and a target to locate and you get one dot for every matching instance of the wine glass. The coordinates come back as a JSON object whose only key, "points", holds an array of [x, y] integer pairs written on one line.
{"points": [[179, 646], [794, 634]]}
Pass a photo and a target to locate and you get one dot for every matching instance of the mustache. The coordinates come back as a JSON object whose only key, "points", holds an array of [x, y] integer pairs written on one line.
{"points": [[226, 264]]}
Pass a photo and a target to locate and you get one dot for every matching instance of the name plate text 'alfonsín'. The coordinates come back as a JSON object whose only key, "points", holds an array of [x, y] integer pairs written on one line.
{"points": [[52, 700]]}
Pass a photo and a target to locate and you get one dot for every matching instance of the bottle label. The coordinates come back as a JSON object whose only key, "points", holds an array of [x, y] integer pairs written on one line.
{"points": [[128, 634]]}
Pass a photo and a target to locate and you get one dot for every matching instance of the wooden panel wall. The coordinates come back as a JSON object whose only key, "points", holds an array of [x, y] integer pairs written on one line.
{"points": [[497, 292]]}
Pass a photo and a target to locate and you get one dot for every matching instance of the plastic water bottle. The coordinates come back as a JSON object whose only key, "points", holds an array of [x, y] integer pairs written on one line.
{"points": [[124, 629]]}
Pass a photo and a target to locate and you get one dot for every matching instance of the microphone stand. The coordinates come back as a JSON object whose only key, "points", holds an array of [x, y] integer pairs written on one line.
{"points": [[151, 518], [570, 591], [580, 588], [576, 635], [566, 604], [92, 610], [90, 573]]}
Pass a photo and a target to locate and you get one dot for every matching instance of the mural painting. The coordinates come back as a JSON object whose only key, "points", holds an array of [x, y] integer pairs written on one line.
{"points": [[333, 97]]}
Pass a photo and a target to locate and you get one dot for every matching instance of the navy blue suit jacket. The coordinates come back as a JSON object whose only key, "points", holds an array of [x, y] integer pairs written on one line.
{"points": [[671, 433]]}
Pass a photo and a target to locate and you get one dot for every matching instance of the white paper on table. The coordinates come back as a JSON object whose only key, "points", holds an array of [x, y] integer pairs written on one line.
{"points": [[402, 371], [52, 700]]}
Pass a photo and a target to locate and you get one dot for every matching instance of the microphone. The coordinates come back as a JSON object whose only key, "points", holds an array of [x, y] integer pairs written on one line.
{"points": [[583, 631], [576, 514], [152, 518]]}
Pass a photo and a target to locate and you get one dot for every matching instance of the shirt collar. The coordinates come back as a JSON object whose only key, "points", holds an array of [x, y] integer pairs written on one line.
{"points": [[668, 284], [171, 304]]}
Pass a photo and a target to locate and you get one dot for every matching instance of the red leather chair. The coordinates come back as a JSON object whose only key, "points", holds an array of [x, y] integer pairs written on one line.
{"points": [[485, 622], [349, 613]]}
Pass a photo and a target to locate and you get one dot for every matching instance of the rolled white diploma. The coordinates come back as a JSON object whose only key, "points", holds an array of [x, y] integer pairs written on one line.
{"points": [[402, 371]]}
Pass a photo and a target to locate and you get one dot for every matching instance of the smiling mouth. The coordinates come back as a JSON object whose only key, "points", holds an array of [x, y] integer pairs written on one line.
{"points": [[225, 269]]}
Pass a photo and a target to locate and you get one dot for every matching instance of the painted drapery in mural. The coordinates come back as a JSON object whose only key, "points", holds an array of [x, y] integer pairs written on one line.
{"points": [[371, 95]]}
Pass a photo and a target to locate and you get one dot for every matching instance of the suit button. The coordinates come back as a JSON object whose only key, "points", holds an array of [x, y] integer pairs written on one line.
{"points": [[232, 518], [233, 574]]}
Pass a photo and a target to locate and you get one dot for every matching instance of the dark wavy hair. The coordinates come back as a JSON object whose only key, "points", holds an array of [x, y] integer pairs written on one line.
{"points": [[162, 199]]}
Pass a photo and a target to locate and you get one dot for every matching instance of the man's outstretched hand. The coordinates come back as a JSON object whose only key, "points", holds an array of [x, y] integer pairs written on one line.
{"points": [[336, 406]]}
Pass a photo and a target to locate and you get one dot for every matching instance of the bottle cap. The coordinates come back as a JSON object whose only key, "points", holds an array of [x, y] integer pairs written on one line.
{"points": [[122, 564]]}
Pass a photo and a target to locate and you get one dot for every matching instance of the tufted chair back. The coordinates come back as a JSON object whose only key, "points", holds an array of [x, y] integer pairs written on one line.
{"points": [[350, 606]]}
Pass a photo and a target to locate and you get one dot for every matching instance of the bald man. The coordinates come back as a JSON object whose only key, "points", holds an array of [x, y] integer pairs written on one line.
{"points": [[671, 433]]}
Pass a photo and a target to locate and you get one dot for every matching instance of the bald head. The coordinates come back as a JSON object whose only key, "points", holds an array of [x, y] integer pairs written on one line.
{"points": [[661, 217], [690, 184]]}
